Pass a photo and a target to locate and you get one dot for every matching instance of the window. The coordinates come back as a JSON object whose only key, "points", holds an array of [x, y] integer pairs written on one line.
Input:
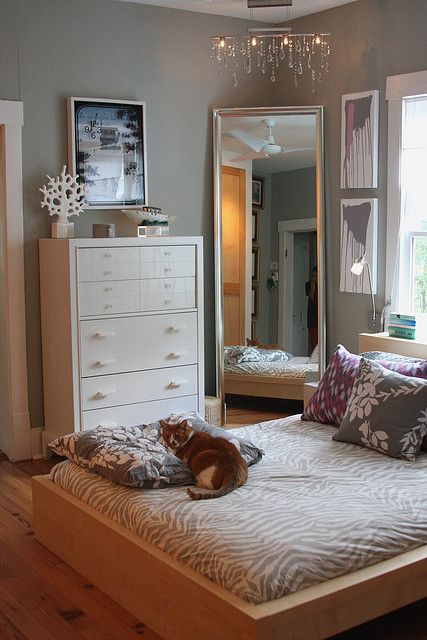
{"points": [[406, 260], [413, 222]]}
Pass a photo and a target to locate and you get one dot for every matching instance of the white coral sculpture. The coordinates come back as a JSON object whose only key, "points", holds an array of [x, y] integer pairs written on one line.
{"points": [[63, 196]]}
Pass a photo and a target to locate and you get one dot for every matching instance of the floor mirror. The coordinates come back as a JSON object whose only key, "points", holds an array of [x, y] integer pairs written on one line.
{"points": [[269, 251]]}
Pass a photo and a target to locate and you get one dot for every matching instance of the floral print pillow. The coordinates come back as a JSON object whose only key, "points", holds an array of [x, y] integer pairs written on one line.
{"points": [[386, 412]]}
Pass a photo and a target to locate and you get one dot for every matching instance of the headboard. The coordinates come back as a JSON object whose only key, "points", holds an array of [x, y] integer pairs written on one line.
{"points": [[383, 342]]}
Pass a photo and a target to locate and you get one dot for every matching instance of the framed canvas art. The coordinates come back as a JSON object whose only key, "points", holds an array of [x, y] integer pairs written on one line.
{"points": [[358, 237], [255, 226], [106, 149], [258, 188], [359, 140]]}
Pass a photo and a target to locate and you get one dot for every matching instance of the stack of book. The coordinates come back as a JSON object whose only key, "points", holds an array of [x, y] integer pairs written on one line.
{"points": [[402, 326]]}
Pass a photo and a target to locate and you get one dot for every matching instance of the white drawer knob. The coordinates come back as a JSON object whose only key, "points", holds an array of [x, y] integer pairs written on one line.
{"points": [[108, 306], [104, 394], [168, 301], [108, 289], [168, 269], [104, 363], [174, 329], [107, 273], [174, 355], [167, 253], [105, 334], [108, 255], [176, 385], [167, 285]]}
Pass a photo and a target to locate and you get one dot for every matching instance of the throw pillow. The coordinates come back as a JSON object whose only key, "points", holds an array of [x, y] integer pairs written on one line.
{"points": [[386, 412], [329, 403], [134, 457]]}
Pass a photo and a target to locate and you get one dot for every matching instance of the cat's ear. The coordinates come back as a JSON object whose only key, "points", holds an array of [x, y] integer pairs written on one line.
{"points": [[184, 424], [163, 423]]}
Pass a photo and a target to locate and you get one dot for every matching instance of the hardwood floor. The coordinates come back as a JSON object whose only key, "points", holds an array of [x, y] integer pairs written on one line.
{"points": [[243, 410], [41, 598]]}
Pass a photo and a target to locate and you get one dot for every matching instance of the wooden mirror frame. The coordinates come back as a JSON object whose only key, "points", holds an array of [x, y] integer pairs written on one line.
{"points": [[262, 112]]}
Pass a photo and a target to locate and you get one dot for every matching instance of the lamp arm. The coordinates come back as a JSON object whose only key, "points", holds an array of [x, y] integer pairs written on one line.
{"points": [[374, 314]]}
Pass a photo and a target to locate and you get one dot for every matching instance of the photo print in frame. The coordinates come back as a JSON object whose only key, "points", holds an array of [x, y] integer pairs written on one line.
{"points": [[107, 150]]}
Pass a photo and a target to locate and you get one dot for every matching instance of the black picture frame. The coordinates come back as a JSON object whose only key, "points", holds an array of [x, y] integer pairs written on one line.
{"points": [[258, 192], [107, 150]]}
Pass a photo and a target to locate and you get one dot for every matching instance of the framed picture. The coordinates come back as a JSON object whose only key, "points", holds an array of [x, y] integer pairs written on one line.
{"points": [[254, 301], [255, 264], [255, 226], [358, 237], [106, 148], [258, 189], [359, 140]]}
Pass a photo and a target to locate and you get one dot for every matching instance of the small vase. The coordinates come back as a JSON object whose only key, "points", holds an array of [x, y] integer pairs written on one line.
{"points": [[62, 230]]}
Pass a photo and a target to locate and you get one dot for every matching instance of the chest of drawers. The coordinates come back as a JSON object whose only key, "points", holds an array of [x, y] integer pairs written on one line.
{"points": [[122, 331]]}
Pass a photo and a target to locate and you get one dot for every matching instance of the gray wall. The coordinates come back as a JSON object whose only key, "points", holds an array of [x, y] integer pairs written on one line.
{"points": [[51, 49], [294, 197], [371, 39]]}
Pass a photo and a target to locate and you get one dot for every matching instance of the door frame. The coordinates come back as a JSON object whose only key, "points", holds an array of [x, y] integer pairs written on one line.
{"points": [[287, 230], [15, 436]]}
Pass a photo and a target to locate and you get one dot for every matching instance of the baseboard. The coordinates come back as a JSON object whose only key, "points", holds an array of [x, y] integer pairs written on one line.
{"points": [[36, 443]]}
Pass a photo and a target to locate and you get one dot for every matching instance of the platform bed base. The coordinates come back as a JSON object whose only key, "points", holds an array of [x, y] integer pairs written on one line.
{"points": [[180, 604], [289, 388]]}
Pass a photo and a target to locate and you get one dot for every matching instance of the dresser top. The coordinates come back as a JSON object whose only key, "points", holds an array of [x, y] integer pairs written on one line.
{"points": [[125, 242]]}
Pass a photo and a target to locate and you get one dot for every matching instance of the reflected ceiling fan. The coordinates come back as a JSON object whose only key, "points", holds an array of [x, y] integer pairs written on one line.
{"points": [[261, 147]]}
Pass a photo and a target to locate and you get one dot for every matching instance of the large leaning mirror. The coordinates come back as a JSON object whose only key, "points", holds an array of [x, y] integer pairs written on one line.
{"points": [[269, 250]]}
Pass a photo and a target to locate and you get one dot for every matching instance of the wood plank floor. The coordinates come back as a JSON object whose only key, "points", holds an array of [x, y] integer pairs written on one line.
{"points": [[41, 598]]}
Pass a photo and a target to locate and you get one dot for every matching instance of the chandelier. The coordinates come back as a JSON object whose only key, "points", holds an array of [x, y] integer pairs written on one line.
{"points": [[270, 50]]}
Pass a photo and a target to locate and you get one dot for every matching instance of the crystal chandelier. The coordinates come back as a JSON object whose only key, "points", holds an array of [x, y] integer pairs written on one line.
{"points": [[271, 49]]}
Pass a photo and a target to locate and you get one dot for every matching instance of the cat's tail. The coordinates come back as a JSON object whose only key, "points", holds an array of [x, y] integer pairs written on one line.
{"points": [[204, 494]]}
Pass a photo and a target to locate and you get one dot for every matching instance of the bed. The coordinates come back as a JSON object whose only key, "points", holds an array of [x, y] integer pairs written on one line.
{"points": [[382, 537], [270, 379]]}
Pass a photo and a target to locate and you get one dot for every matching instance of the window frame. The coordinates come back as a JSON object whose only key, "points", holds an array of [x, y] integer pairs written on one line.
{"points": [[398, 89]]}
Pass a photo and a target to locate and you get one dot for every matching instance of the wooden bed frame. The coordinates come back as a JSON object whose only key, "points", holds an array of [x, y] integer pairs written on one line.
{"points": [[180, 604], [289, 388]]}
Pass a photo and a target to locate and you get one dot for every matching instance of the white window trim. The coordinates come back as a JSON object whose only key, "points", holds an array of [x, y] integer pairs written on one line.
{"points": [[15, 436], [398, 87]]}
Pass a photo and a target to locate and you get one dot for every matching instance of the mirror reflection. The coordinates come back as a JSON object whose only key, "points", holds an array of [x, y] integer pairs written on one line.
{"points": [[270, 284]]}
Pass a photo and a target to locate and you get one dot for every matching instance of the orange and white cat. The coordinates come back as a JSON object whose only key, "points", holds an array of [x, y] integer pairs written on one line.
{"points": [[214, 461]]}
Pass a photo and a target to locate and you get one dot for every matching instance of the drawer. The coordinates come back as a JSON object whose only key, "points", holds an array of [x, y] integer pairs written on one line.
{"points": [[140, 413], [167, 254], [140, 386], [130, 344], [167, 293], [97, 298], [121, 263], [167, 262]]}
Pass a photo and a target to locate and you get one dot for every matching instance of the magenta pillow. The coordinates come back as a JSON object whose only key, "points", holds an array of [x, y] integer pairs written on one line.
{"points": [[329, 403]]}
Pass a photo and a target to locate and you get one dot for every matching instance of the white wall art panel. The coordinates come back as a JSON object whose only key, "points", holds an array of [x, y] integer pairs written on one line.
{"points": [[358, 237]]}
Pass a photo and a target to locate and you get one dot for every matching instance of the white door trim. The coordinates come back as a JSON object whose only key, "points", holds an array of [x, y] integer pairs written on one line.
{"points": [[287, 229], [15, 436]]}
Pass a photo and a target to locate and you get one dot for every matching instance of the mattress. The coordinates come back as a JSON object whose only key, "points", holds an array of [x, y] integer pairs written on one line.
{"points": [[295, 367], [313, 509]]}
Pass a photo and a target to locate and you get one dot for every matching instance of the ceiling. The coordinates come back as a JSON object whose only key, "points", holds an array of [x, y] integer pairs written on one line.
{"points": [[290, 130], [239, 8]]}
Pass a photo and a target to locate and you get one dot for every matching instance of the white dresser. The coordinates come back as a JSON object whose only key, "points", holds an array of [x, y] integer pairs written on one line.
{"points": [[122, 330]]}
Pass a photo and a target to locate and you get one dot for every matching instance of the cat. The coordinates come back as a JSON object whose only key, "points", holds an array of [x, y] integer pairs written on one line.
{"points": [[256, 342], [214, 461]]}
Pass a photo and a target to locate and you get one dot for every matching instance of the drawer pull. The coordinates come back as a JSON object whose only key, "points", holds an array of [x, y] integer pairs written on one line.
{"points": [[104, 394], [104, 363], [167, 253], [108, 306], [167, 269], [168, 285], [108, 255], [107, 273], [168, 302], [108, 289], [176, 385], [105, 334], [173, 329], [174, 354]]}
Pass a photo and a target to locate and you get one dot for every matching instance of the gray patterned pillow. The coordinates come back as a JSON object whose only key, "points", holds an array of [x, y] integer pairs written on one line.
{"points": [[134, 457], [387, 412], [390, 357], [239, 355]]}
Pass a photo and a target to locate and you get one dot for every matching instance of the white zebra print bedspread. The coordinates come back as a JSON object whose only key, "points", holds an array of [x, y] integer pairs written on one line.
{"points": [[313, 509], [296, 367]]}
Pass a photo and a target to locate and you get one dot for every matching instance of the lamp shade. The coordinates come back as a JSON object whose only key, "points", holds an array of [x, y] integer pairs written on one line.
{"points": [[358, 266]]}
